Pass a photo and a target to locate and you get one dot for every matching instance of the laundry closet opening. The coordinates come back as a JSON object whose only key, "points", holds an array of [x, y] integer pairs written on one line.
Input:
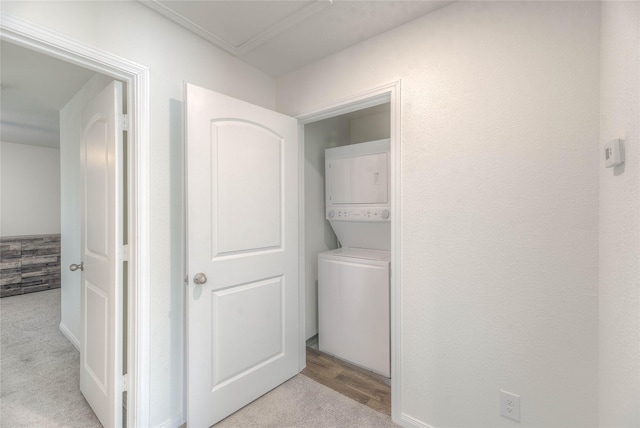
{"points": [[347, 242]]}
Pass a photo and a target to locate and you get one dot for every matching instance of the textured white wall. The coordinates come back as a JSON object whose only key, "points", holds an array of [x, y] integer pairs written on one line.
{"points": [[29, 190], [499, 199], [620, 217], [71, 208], [133, 31]]}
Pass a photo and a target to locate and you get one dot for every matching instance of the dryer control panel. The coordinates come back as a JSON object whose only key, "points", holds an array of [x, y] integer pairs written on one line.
{"points": [[359, 214]]}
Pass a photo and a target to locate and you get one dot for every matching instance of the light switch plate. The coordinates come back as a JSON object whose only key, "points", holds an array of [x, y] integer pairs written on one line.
{"points": [[613, 153]]}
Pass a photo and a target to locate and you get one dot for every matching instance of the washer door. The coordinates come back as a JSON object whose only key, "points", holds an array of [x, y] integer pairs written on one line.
{"points": [[353, 312]]}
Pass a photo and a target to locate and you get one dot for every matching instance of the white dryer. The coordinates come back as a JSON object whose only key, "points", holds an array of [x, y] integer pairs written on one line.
{"points": [[353, 281], [357, 194]]}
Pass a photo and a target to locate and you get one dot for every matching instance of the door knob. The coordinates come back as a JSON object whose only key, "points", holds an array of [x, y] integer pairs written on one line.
{"points": [[74, 267], [200, 278]]}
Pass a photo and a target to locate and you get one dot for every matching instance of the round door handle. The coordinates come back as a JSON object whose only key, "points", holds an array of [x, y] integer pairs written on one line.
{"points": [[200, 278], [74, 267]]}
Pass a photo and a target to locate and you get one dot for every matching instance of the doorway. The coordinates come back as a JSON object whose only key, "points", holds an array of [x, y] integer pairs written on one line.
{"points": [[136, 79], [45, 105], [366, 117]]}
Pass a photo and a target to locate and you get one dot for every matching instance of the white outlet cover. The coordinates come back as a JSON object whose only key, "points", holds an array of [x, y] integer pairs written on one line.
{"points": [[613, 153], [510, 405]]}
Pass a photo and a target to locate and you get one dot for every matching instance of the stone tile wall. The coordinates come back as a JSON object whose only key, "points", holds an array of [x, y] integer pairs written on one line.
{"points": [[29, 263]]}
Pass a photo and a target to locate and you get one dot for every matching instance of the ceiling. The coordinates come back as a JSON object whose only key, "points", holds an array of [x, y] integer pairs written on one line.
{"points": [[34, 88], [272, 35], [280, 36]]}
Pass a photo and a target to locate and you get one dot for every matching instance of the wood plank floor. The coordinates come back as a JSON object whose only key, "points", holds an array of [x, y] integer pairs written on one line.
{"points": [[352, 381]]}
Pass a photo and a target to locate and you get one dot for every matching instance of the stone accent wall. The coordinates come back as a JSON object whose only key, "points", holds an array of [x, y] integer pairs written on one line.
{"points": [[29, 263]]}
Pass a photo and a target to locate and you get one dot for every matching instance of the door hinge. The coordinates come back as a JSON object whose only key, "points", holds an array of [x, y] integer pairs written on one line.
{"points": [[186, 279], [124, 122], [125, 253], [125, 382]]}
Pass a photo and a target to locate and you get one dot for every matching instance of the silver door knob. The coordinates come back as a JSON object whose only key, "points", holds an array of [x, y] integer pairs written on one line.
{"points": [[74, 267], [200, 278]]}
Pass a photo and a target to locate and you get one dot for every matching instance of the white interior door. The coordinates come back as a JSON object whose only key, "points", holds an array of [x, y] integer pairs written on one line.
{"points": [[101, 335], [243, 238]]}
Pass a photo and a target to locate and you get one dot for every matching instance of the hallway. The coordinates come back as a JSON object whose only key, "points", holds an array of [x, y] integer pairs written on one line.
{"points": [[39, 376]]}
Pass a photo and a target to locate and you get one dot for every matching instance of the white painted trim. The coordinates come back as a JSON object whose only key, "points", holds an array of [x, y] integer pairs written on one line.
{"points": [[251, 44], [67, 333], [282, 26], [396, 253], [190, 25], [367, 99], [173, 422], [40, 39], [411, 422], [302, 287], [388, 93]]}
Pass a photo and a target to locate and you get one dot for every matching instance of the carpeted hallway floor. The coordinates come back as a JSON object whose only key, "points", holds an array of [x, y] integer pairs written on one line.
{"points": [[302, 402], [39, 378], [39, 367]]}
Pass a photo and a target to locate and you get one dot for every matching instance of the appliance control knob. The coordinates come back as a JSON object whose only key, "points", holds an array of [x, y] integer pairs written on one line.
{"points": [[385, 214], [332, 214]]}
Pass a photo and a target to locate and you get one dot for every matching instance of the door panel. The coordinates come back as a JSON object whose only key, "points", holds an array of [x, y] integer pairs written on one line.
{"points": [[242, 188], [96, 303], [101, 291], [359, 179], [96, 146], [262, 331], [247, 177]]}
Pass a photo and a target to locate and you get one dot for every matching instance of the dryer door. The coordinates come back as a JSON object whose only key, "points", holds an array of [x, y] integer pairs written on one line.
{"points": [[358, 180]]}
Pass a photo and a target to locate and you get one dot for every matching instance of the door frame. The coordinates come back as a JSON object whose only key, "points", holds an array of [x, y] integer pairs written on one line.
{"points": [[136, 77], [387, 93]]}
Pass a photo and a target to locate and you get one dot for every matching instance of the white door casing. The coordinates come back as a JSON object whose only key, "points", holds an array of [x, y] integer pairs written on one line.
{"points": [[101, 292], [242, 191]]}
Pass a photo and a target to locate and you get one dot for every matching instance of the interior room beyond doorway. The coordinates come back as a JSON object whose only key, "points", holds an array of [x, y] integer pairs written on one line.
{"points": [[364, 125], [368, 124]]}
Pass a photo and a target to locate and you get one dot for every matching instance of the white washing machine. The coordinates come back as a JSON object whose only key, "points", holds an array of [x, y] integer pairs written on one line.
{"points": [[353, 281], [353, 301]]}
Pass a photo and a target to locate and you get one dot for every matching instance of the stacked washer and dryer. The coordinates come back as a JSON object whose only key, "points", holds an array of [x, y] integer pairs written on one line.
{"points": [[353, 280]]}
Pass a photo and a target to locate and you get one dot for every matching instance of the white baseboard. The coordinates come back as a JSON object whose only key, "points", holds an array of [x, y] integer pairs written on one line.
{"points": [[70, 336], [310, 335], [410, 421], [175, 422]]}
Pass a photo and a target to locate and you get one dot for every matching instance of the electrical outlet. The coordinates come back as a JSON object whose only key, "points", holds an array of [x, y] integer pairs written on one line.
{"points": [[510, 405]]}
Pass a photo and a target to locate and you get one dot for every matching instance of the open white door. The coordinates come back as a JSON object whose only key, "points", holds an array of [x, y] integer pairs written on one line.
{"points": [[242, 163], [101, 293]]}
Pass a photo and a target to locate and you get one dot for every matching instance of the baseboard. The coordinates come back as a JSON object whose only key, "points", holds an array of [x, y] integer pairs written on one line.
{"points": [[310, 335], [175, 422], [410, 421], [74, 341]]}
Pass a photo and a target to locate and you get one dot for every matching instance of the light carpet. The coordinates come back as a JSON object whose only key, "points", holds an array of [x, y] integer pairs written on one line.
{"points": [[302, 402], [39, 378], [39, 367]]}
